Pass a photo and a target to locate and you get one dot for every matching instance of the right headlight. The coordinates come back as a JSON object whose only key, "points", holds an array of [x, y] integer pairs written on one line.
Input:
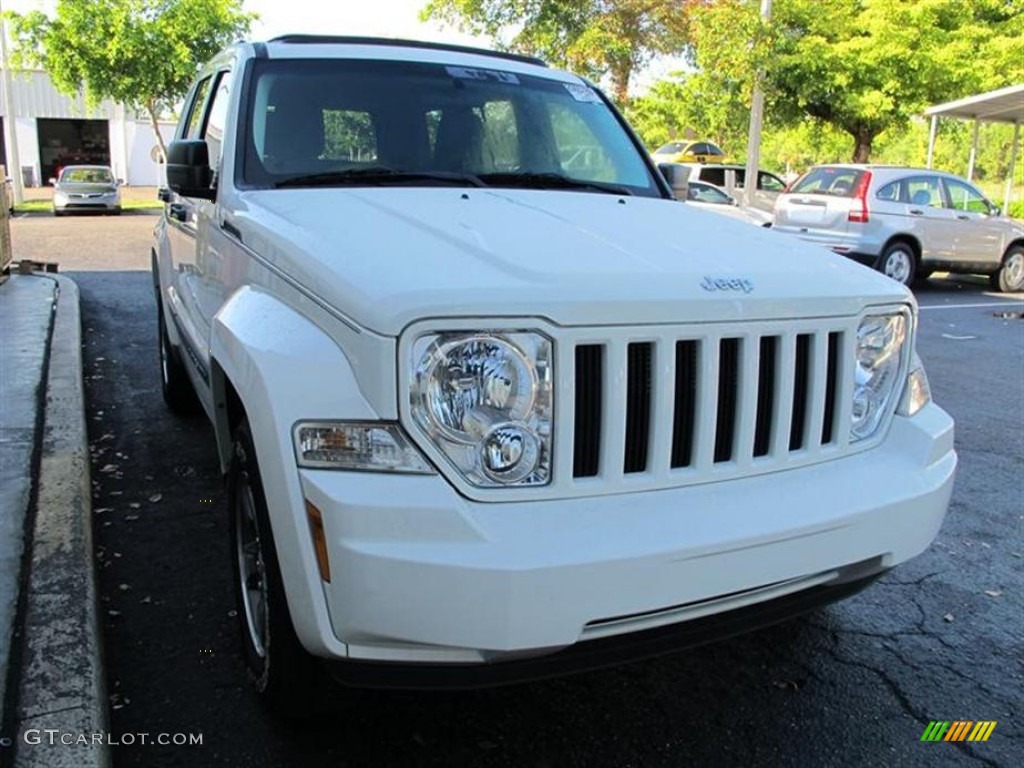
{"points": [[880, 340], [485, 400]]}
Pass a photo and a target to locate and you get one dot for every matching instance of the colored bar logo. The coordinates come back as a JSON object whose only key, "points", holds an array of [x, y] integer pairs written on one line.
{"points": [[958, 730]]}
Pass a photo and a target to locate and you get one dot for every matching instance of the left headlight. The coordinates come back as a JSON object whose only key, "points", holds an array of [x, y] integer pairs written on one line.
{"points": [[880, 340], [485, 400]]}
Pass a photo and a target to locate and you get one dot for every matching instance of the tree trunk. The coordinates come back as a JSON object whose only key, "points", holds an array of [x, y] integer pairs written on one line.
{"points": [[862, 146], [154, 123], [620, 84]]}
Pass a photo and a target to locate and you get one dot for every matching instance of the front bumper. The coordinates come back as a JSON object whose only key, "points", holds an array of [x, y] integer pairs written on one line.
{"points": [[422, 575], [86, 205], [860, 246]]}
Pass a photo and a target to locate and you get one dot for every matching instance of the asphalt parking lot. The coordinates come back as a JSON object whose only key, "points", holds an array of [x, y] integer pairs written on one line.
{"points": [[941, 638]]}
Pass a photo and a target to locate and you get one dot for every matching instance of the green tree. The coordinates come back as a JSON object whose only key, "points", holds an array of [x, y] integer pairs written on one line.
{"points": [[143, 53], [862, 66], [692, 103], [592, 37]]}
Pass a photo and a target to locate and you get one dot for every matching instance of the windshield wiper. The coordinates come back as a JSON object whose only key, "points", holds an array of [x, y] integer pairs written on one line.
{"points": [[377, 175], [550, 181]]}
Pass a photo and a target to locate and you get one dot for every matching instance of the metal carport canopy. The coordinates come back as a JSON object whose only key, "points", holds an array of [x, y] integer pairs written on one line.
{"points": [[1005, 105]]}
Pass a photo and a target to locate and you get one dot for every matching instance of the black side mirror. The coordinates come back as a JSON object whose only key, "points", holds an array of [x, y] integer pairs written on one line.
{"points": [[678, 178], [188, 169]]}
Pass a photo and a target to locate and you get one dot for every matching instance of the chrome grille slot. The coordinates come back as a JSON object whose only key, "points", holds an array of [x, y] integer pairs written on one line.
{"points": [[685, 404], [801, 388], [728, 394], [828, 427], [638, 407], [766, 385], [587, 431]]}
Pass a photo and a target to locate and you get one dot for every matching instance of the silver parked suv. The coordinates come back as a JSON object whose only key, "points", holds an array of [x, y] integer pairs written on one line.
{"points": [[905, 222]]}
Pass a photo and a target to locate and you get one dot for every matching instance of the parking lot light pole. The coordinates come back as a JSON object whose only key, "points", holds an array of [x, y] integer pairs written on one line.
{"points": [[756, 118]]}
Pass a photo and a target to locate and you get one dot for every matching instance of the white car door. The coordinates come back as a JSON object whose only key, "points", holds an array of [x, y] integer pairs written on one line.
{"points": [[181, 218], [195, 239], [927, 217]]}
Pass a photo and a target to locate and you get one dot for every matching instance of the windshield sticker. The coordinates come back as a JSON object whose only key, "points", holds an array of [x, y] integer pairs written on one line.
{"points": [[582, 93], [465, 73]]}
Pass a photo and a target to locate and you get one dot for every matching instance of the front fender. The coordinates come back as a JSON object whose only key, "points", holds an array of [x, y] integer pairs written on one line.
{"points": [[283, 369]]}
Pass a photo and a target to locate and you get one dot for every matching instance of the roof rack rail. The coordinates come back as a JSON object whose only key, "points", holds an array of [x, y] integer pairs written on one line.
{"points": [[328, 39]]}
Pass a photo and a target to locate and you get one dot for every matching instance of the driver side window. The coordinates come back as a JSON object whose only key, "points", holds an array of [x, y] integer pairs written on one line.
{"points": [[963, 197]]}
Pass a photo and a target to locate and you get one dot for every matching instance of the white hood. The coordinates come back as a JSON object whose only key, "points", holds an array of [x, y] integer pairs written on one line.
{"points": [[387, 257]]}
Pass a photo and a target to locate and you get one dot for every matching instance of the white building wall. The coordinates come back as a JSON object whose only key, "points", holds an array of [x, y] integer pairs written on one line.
{"points": [[28, 149], [143, 170], [131, 140]]}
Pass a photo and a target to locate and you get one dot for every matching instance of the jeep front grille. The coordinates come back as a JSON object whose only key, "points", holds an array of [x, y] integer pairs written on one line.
{"points": [[695, 404]]}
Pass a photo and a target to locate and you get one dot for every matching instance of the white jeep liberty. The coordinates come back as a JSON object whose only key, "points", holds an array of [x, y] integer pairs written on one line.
{"points": [[491, 404]]}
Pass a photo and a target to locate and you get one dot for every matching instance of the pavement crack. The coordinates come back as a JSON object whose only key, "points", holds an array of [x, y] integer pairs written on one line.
{"points": [[904, 701], [47, 713]]}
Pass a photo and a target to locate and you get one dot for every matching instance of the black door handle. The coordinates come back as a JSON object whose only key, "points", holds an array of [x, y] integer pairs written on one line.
{"points": [[178, 211], [964, 217], [916, 211]]}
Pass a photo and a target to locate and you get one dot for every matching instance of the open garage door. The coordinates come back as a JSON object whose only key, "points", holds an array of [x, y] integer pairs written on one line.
{"points": [[72, 142]]}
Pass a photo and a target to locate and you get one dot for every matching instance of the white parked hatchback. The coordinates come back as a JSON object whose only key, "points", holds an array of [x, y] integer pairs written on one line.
{"points": [[905, 222], [490, 404]]}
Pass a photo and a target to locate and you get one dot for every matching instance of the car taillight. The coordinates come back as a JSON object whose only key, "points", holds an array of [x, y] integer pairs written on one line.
{"points": [[859, 205]]}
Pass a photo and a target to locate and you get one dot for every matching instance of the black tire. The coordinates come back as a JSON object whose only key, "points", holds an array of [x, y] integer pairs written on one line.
{"points": [[288, 680], [898, 261], [177, 390], [116, 211], [1009, 278]]}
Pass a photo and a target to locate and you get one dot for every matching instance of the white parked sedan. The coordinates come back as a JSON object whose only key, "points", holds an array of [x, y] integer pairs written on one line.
{"points": [[84, 188]]}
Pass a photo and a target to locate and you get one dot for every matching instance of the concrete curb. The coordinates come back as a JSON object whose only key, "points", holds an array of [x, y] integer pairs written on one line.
{"points": [[62, 683]]}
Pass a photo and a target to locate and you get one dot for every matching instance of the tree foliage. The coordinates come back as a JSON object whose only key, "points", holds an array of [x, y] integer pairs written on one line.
{"points": [[592, 37], [691, 105], [143, 53], [862, 66]]}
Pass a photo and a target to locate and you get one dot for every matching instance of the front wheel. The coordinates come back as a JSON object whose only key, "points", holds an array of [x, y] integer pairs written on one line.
{"points": [[175, 386], [898, 262], [1010, 276], [287, 679]]}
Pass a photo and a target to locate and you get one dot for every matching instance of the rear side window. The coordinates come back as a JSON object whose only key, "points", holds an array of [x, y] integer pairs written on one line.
{"points": [[923, 191], [838, 182], [714, 176]]}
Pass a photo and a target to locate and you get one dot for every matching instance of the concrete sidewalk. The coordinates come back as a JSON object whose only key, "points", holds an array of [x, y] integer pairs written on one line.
{"points": [[51, 674]]}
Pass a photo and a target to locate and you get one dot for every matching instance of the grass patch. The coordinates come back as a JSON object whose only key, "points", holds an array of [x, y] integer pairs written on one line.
{"points": [[45, 206]]}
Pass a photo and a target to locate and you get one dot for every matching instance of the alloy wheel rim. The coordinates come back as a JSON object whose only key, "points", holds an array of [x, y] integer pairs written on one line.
{"points": [[897, 266], [251, 569], [1015, 271], [163, 358]]}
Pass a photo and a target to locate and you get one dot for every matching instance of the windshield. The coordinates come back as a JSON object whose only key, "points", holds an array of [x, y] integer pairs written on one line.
{"points": [[356, 123], [87, 176]]}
